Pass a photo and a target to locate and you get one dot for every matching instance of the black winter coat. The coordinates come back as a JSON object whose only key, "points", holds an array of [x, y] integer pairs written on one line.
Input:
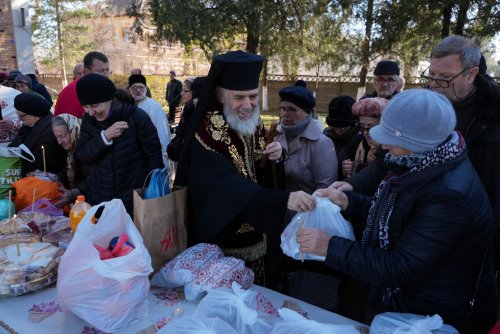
{"points": [[34, 137], [440, 230], [116, 170]]}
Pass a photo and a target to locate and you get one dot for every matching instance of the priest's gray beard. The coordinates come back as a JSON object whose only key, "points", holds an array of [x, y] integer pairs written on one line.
{"points": [[243, 127]]}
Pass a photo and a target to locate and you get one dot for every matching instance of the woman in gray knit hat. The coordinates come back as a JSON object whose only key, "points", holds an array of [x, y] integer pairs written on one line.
{"points": [[426, 247]]}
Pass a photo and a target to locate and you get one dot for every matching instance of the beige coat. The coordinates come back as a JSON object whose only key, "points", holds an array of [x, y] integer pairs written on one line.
{"points": [[311, 162]]}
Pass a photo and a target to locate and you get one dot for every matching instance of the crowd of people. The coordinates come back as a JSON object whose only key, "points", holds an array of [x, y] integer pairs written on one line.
{"points": [[414, 171]]}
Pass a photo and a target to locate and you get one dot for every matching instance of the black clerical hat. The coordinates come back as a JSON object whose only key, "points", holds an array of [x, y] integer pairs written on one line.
{"points": [[238, 70]]}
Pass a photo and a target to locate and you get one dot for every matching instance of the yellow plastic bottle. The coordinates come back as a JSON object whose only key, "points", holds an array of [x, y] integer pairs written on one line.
{"points": [[78, 211]]}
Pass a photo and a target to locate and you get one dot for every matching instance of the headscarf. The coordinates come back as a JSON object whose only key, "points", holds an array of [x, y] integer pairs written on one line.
{"points": [[73, 123]]}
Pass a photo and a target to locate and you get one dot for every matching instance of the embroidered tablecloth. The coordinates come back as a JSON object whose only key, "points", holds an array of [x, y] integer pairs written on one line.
{"points": [[40, 312]]}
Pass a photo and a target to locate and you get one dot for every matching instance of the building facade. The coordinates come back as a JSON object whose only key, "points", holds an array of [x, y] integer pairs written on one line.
{"points": [[16, 48]]}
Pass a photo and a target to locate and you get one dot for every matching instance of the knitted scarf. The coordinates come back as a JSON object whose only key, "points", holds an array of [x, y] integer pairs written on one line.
{"points": [[383, 201]]}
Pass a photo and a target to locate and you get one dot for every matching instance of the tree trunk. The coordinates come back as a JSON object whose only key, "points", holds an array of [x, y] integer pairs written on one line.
{"points": [[461, 17], [60, 43], [253, 26], [365, 48], [445, 27]]}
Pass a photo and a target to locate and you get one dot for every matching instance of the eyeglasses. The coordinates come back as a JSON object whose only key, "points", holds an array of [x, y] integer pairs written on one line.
{"points": [[390, 81], [289, 109], [443, 83], [138, 87], [20, 116], [364, 128]]}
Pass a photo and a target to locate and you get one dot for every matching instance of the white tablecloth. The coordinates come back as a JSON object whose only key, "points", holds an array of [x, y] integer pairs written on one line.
{"points": [[14, 313]]}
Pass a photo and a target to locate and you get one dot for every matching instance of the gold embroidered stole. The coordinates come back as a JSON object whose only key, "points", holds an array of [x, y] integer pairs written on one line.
{"points": [[215, 135]]}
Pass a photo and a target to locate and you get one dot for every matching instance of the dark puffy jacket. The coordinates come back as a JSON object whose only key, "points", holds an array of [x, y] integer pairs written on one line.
{"points": [[482, 136], [116, 170], [440, 230], [34, 137]]}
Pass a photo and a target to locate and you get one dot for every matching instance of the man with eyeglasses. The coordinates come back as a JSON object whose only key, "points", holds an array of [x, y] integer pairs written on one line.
{"points": [[137, 87], [67, 101], [453, 72], [386, 79]]}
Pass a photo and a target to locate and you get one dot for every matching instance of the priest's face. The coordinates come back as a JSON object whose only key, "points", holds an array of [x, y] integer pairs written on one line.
{"points": [[138, 91], [241, 109]]}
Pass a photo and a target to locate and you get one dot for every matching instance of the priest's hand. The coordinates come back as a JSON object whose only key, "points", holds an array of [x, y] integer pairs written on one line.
{"points": [[336, 196], [300, 201], [313, 241], [116, 130], [341, 185], [274, 150]]}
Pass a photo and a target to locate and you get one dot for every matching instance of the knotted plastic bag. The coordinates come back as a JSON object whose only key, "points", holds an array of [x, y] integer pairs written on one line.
{"points": [[294, 323], [326, 217], [407, 323], [237, 307]]}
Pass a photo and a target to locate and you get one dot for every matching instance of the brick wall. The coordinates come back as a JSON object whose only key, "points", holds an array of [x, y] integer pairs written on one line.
{"points": [[8, 59]]}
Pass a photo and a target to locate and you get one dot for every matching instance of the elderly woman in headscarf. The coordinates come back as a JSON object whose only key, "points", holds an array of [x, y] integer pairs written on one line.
{"points": [[369, 111], [427, 241], [66, 129], [311, 162]]}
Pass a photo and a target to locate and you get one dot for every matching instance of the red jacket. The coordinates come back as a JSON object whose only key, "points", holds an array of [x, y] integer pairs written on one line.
{"points": [[67, 101]]}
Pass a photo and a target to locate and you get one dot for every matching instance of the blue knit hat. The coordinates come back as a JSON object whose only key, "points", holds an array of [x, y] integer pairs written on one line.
{"points": [[416, 119], [300, 96]]}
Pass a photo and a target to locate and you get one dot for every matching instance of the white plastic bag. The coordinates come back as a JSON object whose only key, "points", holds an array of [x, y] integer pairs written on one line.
{"points": [[294, 323], [108, 294], [190, 325], [237, 307], [399, 323], [326, 216]]}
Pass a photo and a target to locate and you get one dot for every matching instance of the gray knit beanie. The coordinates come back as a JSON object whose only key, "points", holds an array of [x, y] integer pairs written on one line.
{"points": [[416, 119]]}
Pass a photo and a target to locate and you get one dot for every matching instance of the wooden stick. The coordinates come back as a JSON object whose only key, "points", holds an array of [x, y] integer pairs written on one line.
{"points": [[299, 223], [10, 200], [17, 240], [44, 163], [33, 201]]}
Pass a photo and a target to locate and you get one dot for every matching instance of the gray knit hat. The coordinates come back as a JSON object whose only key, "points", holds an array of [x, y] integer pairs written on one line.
{"points": [[25, 80], [416, 119]]}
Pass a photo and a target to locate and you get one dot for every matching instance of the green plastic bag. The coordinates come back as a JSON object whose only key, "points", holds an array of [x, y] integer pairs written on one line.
{"points": [[10, 166]]}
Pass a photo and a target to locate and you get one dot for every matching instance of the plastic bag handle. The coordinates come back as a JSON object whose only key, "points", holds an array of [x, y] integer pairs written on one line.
{"points": [[147, 176], [20, 155]]}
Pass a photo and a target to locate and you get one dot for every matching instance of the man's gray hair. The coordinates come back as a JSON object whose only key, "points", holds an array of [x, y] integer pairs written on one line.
{"points": [[465, 48]]}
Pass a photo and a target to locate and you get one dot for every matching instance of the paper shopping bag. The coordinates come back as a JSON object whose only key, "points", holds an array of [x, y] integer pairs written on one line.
{"points": [[162, 224]]}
